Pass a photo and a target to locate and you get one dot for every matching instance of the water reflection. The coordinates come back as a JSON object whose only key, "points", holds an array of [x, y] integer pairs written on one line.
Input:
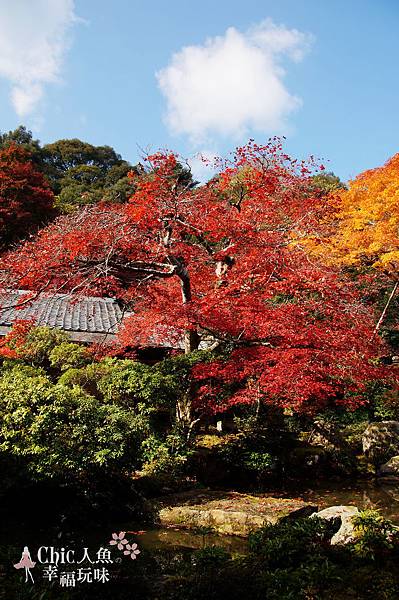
{"points": [[170, 538], [361, 494], [384, 497]]}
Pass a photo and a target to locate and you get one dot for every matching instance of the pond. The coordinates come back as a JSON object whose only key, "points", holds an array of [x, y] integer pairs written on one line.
{"points": [[369, 494], [173, 539], [163, 553], [364, 495]]}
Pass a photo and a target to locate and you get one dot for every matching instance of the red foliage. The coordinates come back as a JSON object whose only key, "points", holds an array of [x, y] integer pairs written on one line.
{"points": [[26, 200], [216, 263], [15, 340]]}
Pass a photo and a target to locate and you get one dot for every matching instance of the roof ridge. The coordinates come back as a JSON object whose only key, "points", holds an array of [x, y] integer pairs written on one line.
{"points": [[58, 295]]}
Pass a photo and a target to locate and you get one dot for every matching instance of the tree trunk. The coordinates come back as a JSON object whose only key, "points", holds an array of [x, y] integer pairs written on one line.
{"points": [[191, 337], [384, 312], [184, 411], [191, 342]]}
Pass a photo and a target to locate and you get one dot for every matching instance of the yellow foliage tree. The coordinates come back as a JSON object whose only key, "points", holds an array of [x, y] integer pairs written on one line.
{"points": [[360, 227], [365, 221]]}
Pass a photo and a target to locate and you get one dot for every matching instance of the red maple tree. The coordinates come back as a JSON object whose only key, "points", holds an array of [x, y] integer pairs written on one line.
{"points": [[26, 200], [215, 266], [12, 343]]}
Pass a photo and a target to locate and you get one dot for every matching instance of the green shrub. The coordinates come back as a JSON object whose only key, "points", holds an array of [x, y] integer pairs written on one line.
{"points": [[259, 462], [287, 542], [39, 343], [212, 557], [124, 382], [69, 355], [375, 535], [86, 377], [248, 453], [168, 456], [63, 432], [386, 407]]}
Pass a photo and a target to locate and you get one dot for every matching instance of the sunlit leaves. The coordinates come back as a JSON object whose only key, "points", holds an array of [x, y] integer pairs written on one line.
{"points": [[218, 261]]}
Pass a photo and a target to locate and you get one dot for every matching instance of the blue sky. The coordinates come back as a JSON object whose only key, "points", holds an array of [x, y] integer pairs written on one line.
{"points": [[323, 73]]}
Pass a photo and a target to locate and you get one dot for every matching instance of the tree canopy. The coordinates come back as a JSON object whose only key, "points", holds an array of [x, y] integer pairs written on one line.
{"points": [[26, 200], [79, 173], [364, 221], [214, 266]]}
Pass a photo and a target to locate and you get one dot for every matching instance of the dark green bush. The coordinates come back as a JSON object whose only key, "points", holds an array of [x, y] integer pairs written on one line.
{"points": [[291, 560], [63, 432], [287, 543], [210, 557]]}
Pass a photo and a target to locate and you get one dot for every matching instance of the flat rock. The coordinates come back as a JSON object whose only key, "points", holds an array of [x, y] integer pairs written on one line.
{"points": [[390, 468], [229, 513], [345, 514]]}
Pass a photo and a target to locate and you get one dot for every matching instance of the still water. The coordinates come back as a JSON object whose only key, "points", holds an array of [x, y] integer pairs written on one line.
{"points": [[35, 532], [361, 494]]}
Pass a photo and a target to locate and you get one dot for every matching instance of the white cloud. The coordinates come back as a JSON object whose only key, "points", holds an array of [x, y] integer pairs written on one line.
{"points": [[202, 165], [33, 41], [232, 83]]}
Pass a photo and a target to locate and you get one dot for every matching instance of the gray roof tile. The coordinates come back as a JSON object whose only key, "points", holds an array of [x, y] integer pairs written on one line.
{"points": [[64, 311]]}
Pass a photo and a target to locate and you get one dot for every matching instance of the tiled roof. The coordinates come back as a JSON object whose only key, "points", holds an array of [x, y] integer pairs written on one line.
{"points": [[88, 315]]}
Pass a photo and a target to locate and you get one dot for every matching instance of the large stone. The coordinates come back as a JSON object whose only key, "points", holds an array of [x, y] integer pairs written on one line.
{"points": [[343, 515], [390, 468], [229, 513], [381, 441]]}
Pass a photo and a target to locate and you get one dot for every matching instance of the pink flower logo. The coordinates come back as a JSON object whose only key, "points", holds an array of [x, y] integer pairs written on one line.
{"points": [[131, 549], [118, 539]]}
